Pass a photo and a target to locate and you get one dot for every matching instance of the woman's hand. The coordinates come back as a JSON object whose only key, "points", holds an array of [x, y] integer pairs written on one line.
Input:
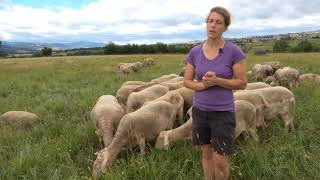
{"points": [[209, 79]]}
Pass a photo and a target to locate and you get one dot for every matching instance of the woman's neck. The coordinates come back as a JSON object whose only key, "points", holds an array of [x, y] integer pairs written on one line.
{"points": [[214, 43]]}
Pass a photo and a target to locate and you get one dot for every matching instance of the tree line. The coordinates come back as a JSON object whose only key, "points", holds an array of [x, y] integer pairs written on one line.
{"points": [[302, 46]]}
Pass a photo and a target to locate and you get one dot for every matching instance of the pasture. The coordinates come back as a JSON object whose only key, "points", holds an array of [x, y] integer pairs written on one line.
{"points": [[63, 90]]}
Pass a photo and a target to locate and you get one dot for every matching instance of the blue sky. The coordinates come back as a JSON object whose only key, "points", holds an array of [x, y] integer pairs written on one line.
{"points": [[148, 21]]}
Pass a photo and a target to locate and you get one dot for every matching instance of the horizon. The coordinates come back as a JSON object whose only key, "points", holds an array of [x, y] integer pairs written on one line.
{"points": [[140, 22]]}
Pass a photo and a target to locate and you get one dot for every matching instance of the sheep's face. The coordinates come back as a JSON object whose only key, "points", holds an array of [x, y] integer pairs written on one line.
{"points": [[162, 141], [103, 161]]}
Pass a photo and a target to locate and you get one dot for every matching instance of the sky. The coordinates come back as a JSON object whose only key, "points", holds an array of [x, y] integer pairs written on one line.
{"points": [[148, 21]]}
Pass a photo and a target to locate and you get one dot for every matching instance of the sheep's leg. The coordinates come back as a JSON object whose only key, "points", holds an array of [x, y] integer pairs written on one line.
{"points": [[142, 145], [287, 121], [254, 134]]}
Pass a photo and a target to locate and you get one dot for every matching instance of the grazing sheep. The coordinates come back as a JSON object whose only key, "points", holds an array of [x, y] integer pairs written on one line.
{"points": [[176, 79], [187, 95], [287, 77], [270, 80], [137, 66], [141, 83], [274, 64], [130, 67], [136, 99], [148, 62], [125, 68], [280, 103], [309, 77], [245, 122], [257, 100], [173, 85], [176, 100], [164, 78], [262, 71], [106, 115], [134, 128], [123, 93], [257, 85], [19, 118], [168, 137]]}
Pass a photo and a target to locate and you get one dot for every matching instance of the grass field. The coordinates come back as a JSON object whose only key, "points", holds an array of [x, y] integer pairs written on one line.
{"points": [[63, 90]]}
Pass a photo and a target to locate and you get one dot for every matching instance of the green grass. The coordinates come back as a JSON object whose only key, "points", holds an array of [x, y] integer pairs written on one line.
{"points": [[63, 90]]}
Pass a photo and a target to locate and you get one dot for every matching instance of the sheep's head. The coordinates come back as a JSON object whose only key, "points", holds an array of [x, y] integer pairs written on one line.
{"points": [[102, 163], [163, 140]]}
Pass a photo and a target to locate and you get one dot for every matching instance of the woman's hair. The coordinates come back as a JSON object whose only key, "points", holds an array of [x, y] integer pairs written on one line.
{"points": [[223, 12]]}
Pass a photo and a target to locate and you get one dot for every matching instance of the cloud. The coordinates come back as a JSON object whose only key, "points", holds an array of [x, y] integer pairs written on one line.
{"points": [[153, 20]]}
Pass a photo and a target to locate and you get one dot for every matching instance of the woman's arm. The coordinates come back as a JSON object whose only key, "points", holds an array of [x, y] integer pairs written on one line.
{"points": [[238, 82], [188, 79]]}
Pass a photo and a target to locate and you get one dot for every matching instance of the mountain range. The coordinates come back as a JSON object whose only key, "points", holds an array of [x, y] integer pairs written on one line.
{"points": [[29, 47]]}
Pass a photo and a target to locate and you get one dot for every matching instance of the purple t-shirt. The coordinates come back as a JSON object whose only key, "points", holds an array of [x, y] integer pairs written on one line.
{"points": [[215, 98]]}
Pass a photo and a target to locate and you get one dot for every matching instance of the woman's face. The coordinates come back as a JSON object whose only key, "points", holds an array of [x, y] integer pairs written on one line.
{"points": [[215, 25]]}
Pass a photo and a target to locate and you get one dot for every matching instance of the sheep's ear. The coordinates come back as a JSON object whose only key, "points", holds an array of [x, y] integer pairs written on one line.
{"points": [[96, 153]]}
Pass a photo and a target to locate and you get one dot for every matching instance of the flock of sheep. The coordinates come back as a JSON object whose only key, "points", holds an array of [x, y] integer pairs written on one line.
{"points": [[143, 111], [128, 68]]}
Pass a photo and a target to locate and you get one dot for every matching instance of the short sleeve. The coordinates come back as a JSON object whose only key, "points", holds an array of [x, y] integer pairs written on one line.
{"points": [[238, 55], [190, 57]]}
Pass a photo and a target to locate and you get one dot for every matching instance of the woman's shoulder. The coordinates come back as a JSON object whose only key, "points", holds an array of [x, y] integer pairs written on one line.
{"points": [[231, 46], [196, 48]]}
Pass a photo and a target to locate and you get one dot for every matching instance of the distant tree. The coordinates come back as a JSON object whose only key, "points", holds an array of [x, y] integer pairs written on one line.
{"points": [[46, 51], [111, 48], [281, 46], [304, 46], [260, 51]]}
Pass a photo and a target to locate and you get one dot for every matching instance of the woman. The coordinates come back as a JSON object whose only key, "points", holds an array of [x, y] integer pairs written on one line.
{"points": [[219, 68]]}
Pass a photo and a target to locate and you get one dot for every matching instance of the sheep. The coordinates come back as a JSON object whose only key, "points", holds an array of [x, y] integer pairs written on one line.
{"points": [[134, 128], [287, 77], [257, 85], [175, 80], [126, 68], [176, 100], [123, 93], [148, 62], [19, 118], [245, 122], [173, 85], [309, 77], [136, 99], [164, 78], [106, 115], [262, 71], [137, 66], [280, 103], [257, 100], [270, 80], [130, 67], [168, 137], [274, 64], [187, 95], [141, 83]]}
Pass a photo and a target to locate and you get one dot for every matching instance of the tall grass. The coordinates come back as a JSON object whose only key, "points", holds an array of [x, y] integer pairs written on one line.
{"points": [[62, 92]]}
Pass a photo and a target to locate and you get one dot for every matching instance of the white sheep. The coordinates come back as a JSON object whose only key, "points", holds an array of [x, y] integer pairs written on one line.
{"points": [[106, 115], [245, 122], [176, 100], [287, 77], [262, 71], [134, 128], [280, 103], [19, 118], [309, 77], [257, 85], [136, 99]]}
